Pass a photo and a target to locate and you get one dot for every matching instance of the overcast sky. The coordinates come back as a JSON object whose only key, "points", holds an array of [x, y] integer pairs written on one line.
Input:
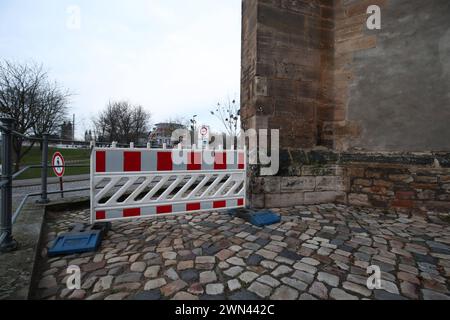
{"points": [[175, 57]]}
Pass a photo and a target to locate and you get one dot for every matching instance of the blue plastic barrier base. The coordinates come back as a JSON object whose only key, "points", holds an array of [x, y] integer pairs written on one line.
{"points": [[71, 243], [78, 227], [257, 218], [264, 218]]}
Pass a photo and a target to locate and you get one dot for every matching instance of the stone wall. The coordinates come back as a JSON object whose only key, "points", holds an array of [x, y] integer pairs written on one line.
{"points": [[407, 182], [400, 186], [286, 67], [313, 185], [392, 85], [339, 92]]}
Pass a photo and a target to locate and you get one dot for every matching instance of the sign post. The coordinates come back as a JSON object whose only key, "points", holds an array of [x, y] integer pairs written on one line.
{"points": [[204, 131], [59, 170]]}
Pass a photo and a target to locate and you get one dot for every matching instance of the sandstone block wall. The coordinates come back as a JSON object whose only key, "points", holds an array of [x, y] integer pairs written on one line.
{"points": [[339, 92]]}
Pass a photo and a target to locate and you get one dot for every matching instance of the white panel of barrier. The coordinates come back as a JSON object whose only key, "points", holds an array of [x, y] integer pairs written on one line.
{"points": [[144, 183]]}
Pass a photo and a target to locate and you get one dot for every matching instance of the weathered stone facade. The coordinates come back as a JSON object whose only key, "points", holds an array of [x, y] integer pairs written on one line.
{"points": [[417, 182], [362, 113]]}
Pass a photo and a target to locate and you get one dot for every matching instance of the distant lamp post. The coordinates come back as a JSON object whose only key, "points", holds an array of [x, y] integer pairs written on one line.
{"points": [[193, 122]]}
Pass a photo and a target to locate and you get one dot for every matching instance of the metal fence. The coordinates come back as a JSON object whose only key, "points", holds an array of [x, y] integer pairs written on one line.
{"points": [[226, 183], [7, 217]]}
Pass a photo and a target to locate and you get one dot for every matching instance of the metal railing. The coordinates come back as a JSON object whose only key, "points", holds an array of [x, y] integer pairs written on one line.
{"points": [[7, 243], [7, 217]]}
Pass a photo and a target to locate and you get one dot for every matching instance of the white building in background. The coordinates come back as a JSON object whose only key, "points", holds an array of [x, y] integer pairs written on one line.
{"points": [[162, 134]]}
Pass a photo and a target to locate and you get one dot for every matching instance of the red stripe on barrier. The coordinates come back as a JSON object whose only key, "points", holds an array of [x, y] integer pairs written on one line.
{"points": [[100, 215], [100, 161], [219, 204], [193, 206], [194, 161], [128, 213], [240, 202], [241, 161], [132, 161], [164, 209], [165, 161], [220, 161]]}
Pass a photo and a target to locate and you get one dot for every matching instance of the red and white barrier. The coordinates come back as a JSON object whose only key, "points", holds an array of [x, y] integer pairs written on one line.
{"points": [[143, 183]]}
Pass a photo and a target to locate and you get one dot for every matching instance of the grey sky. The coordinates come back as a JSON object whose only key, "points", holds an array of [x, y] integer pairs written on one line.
{"points": [[176, 58]]}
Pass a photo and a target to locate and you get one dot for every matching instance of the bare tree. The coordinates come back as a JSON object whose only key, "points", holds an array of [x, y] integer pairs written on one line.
{"points": [[53, 110], [122, 122], [140, 124], [229, 114], [27, 96]]}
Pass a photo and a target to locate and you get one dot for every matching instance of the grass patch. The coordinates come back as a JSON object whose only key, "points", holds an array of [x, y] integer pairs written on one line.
{"points": [[71, 156]]}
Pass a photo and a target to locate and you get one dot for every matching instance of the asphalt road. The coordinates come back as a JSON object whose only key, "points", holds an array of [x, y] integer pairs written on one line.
{"points": [[20, 191]]}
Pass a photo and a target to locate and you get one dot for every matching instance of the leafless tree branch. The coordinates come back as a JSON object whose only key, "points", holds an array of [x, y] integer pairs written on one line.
{"points": [[27, 96], [122, 122]]}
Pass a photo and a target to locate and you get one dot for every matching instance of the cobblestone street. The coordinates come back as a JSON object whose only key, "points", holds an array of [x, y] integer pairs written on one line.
{"points": [[317, 252]]}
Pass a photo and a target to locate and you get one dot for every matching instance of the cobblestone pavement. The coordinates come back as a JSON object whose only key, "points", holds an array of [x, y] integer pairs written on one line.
{"points": [[317, 252]]}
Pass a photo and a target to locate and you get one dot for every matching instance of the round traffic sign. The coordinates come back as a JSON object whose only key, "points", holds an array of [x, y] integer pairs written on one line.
{"points": [[204, 131], [58, 164]]}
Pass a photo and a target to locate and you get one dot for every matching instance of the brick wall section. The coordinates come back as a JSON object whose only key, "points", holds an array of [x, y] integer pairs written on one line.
{"points": [[407, 188], [406, 182]]}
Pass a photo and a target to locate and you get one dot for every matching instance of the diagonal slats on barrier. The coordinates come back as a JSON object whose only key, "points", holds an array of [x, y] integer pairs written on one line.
{"points": [[143, 183]]}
